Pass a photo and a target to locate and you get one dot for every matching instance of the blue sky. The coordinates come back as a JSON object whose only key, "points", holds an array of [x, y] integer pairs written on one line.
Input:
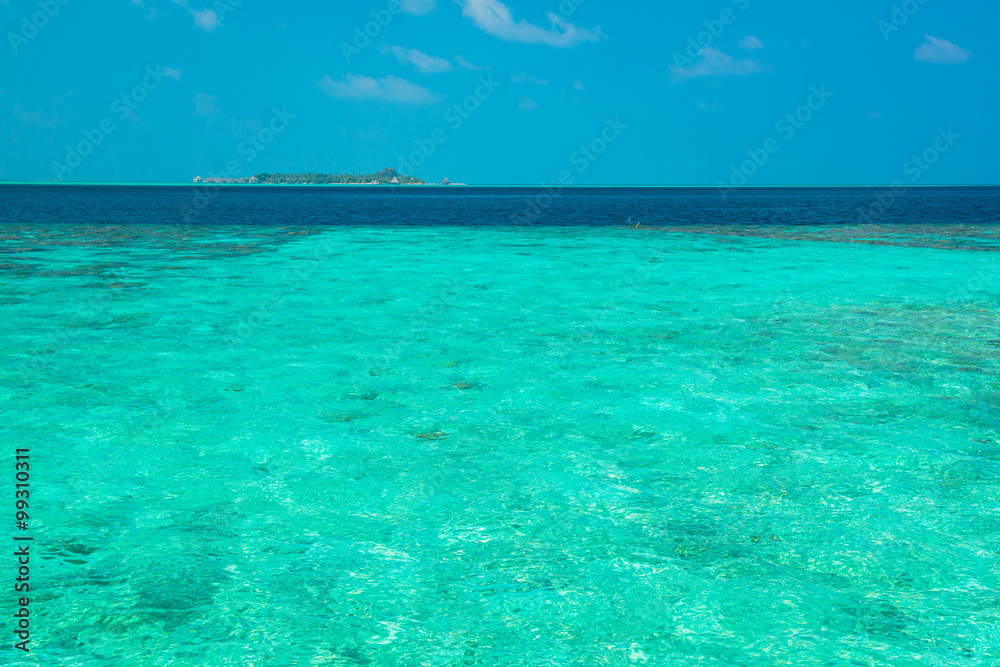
{"points": [[593, 92]]}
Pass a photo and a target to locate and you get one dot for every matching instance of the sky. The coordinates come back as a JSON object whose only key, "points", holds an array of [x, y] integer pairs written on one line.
{"points": [[583, 92]]}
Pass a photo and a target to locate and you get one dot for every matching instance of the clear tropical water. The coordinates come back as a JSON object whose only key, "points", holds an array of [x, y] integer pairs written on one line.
{"points": [[390, 441]]}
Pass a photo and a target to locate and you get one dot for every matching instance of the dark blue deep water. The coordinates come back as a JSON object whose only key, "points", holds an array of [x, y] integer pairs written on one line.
{"points": [[484, 206]]}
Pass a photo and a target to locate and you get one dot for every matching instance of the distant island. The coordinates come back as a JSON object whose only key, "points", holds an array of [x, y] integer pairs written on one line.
{"points": [[384, 177]]}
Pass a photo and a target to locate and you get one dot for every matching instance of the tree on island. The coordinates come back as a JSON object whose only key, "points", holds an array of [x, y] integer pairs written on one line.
{"points": [[385, 177]]}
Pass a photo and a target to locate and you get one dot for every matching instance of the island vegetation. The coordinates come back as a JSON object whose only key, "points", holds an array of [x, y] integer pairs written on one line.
{"points": [[384, 177]]}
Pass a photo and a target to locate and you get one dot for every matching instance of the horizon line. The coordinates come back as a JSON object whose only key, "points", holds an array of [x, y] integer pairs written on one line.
{"points": [[500, 185]]}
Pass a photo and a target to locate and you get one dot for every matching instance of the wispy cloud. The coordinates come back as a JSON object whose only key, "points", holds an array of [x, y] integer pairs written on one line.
{"points": [[527, 104], [465, 64], [206, 19], [715, 63], [386, 89], [524, 76], [750, 43], [423, 62], [206, 105], [936, 50], [418, 7], [495, 18]]}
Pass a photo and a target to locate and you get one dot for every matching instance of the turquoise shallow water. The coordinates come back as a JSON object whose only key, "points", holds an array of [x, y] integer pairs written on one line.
{"points": [[459, 446]]}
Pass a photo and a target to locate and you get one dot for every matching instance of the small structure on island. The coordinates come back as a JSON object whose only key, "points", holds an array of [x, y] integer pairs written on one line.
{"points": [[445, 181], [394, 181], [253, 180], [197, 179]]}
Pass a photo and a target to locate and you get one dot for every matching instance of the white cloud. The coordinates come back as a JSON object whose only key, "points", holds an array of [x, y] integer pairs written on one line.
{"points": [[465, 64], [937, 50], [172, 73], [527, 104], [418, 7], [524, 76], [387, 89], [205, 105], [423, 62], [714, 63], [750, 43], [206, 19], [495, 18]]}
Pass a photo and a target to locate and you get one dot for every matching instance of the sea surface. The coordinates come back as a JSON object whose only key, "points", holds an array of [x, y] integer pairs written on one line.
{"points": [[503, 426]]}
